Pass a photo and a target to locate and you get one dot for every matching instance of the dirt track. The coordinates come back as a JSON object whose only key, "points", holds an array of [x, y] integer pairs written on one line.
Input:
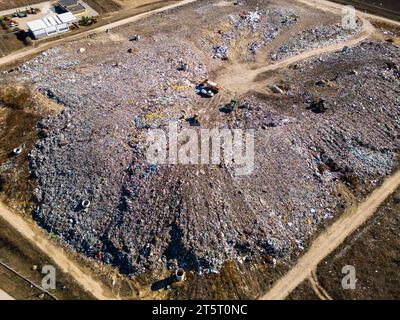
{"points": [[57, 254], [318, 289], [5, 296], [331, 239]]}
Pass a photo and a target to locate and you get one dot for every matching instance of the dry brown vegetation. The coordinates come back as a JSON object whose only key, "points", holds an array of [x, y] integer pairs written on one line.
{"points": [[16, 97], [9, 43], [303, 292], [20, 110], [386, 8], [10, 4], [104, 6], [19, 253]]}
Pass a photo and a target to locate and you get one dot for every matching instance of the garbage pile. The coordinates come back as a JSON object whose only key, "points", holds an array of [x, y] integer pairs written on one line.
{"points": [[314, 37], [277, 21], [99, 194], [84, 154], [143, 216], [270, 23], [249, 20], [220, 52], [350, 133]]}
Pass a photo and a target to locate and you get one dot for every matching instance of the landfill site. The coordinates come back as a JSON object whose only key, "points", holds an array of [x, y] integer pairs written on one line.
{"points": [[322, 99]]}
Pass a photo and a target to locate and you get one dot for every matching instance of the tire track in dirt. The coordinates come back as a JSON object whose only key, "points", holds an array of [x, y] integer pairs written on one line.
{"points": [[318, 289]]}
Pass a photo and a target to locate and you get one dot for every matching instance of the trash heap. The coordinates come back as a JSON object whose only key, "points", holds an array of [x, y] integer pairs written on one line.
{"points": [[220, 52], [314, 37], [270, 23], [96, 191]]}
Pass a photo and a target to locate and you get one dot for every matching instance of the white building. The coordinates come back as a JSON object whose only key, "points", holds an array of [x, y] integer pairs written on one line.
{"points": [[51, 25]]}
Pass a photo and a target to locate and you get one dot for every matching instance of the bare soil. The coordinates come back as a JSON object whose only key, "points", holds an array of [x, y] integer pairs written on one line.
{"points": [[20, 110], [9, 43], [304, 291], [104, 6], [385, 8], [10, 4]]}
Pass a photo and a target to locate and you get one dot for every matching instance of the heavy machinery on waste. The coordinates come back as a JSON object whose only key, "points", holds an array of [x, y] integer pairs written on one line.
{"points": [[207, 88], [230, 107]]}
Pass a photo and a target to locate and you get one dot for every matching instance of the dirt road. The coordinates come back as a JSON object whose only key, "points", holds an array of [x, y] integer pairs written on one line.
{"points": [[331, 239], [5, 296], [37, 236], [22, 54]]}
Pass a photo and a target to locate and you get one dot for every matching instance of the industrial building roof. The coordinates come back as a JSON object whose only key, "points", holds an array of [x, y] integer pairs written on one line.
{"points": [[51, 21], [36, 25], [67, 17]]}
